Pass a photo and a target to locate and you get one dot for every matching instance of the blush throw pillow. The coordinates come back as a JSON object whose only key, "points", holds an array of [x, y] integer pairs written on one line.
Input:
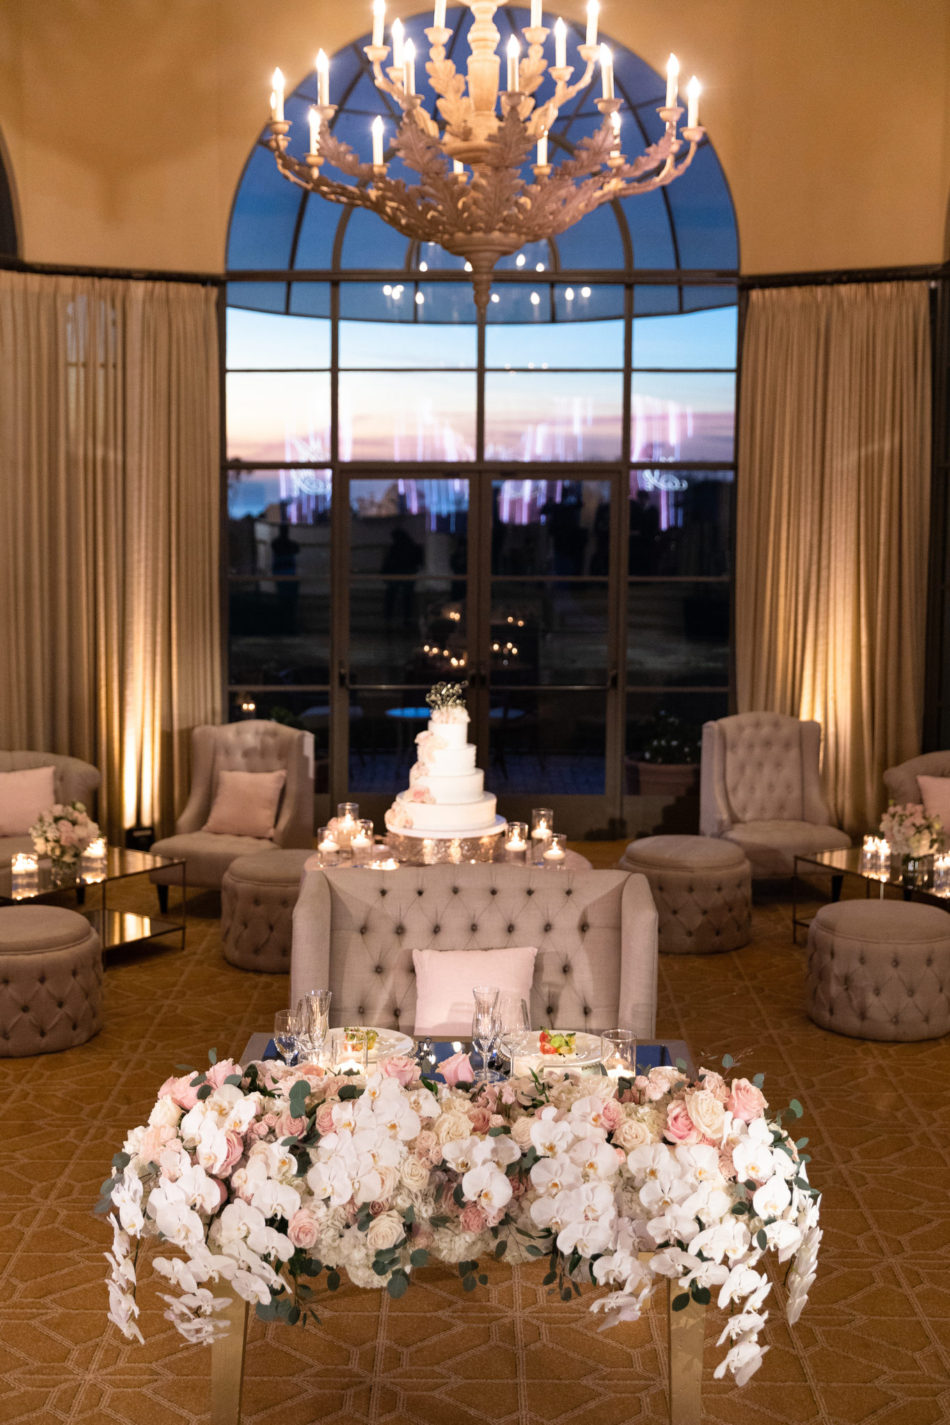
{"points": [[445, 980], [935, 795], [245, 803], [24, 795]]}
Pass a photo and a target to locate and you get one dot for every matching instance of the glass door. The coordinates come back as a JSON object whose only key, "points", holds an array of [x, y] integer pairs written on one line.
{"points": [[547, 647]]}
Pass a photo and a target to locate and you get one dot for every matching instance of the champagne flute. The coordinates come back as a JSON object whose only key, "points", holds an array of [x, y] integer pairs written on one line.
{"points": [[513, 1022], [286, 1035], [485, 1027], [313, 1012]]}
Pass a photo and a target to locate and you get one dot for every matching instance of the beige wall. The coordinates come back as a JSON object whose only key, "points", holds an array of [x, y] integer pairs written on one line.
{"points": [[126, 123]]}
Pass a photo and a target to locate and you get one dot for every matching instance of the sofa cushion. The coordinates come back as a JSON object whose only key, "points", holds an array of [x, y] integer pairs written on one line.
{"points": [[935, 795], [24, 795], [445, 980], [245, 803]]}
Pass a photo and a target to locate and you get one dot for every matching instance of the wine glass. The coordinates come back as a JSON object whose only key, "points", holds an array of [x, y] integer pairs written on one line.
{"points": [[286, 1040], [313, 1015], [485, 1028], [513, 1022]]}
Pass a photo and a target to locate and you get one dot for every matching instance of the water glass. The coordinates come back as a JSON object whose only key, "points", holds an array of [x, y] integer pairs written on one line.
{"points": [[313, 1015], [286, 1035], [618, 1049], [513, 1022], [485, 1028]]}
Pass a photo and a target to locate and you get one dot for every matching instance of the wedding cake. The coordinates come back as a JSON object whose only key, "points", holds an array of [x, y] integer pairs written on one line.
{"points": [[445, 807]]}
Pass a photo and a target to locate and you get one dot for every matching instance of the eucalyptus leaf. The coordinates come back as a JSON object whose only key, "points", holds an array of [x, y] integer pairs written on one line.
{"points": [[397, 1285], [761, 1239], [419, 1257], [680, 1303], [204, 1091], [727, 1063], [333, 1281], [468, 1283], [795, 1109], [212, 1056], [758, 1080], [501, 1248]]}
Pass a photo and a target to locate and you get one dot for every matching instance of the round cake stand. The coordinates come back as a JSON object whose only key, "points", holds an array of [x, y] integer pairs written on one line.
{"points": [[428, 848]]}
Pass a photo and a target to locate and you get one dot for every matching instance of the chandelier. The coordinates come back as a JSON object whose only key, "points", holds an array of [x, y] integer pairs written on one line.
{"points": [[473, 196]]}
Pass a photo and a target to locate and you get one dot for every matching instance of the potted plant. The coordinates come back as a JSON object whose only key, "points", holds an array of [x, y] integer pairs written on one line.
{"points": [[668, 764]]}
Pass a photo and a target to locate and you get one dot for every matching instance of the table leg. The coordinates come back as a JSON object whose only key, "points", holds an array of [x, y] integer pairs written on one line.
{"points": [[836, 883], [685, 1332], [227, 1366]]}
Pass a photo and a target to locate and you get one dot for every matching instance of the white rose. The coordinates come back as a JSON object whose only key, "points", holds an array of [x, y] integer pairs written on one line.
{"points": [[630, 1134], [415, 1174], [521, 1131], [385, 1231], [707, 1112], [388, 1178], [165, 1114], [453, 1126]]}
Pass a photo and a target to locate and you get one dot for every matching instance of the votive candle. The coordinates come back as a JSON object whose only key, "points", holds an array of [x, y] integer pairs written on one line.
{"points": [[327, 846], [24, 864], [556, 853]]}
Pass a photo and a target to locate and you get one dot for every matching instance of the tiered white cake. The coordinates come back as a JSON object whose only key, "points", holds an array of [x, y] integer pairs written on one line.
{"points": [[446, 799]]}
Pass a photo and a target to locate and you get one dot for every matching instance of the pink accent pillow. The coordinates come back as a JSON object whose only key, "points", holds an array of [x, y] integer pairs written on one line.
{"points": [[245, 803], [24, 795], [445, 980], [935, 794]]}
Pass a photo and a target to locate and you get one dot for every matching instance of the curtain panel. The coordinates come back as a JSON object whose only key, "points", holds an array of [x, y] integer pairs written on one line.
{"points": [[109, 529], [833, 500]]}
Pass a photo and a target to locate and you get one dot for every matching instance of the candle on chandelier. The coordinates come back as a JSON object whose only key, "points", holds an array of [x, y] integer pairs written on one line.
{"points": [[379, 16], [514, 51], [399, 39], [543, 151], [693, 91], [323, 78], [536, 18], [672, 80], [593, 11], [377, 127], [607, 71], [560, 44], [438, 15], [315, 122], [277, 96], [615, 122], [409, 67]]}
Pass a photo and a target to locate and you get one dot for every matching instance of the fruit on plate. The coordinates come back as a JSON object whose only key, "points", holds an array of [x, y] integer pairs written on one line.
{"points": [[355, 1038], [556, 1041]]}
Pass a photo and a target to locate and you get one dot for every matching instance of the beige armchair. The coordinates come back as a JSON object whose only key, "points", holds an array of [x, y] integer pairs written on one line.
{"points": [[253, 746], [901, 781], [760, 787], [73, 781], [595, 931]]}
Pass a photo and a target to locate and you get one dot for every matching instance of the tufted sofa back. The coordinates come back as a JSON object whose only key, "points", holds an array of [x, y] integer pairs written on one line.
{"points": [[760, 766], [596, 934], [254, 746], [901, 782]]}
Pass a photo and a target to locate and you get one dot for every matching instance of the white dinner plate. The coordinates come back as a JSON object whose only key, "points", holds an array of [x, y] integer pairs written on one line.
{"points": [[527, 1054], [388, 1041]]}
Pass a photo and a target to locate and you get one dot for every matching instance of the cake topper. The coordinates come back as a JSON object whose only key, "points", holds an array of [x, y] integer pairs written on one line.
{"points": [[446, 695]]}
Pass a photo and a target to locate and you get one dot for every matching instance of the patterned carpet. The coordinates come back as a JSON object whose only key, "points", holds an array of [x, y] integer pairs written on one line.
{"points": [[872, 1346]]}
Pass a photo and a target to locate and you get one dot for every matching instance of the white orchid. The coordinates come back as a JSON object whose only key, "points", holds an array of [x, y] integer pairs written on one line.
{"points": [[487, 1186]]}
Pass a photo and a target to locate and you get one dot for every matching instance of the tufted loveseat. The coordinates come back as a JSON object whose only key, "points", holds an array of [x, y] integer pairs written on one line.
{"points": [[256, 745], [595, 931], [761, 788], [73, 781], [901, 781]]}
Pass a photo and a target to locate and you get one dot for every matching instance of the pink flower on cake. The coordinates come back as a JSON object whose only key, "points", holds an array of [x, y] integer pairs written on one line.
{"points": [[420, 794]]}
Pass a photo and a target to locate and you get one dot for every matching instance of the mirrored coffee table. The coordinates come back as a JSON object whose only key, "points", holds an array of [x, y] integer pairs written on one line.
{"points": [[848, 862], [115, 927]]}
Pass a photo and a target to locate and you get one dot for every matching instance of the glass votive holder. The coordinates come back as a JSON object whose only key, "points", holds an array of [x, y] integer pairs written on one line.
{"points": [[618, 1049], [542, 824], [516, 841], [328, 847], [555, 850], [24, 874], [362, 843], [345, 824]]}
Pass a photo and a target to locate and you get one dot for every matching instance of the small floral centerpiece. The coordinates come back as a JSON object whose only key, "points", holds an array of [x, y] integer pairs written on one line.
{"points": [[909, 831], [270, 1182], [63, 832], [447, 701]]}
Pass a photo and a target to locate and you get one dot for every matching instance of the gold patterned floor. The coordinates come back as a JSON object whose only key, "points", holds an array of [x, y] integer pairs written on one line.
{"points": [[872, 1347]]}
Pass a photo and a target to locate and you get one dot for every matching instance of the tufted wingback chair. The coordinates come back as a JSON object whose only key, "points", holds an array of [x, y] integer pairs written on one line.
{"points": [[761, 788], [595, 931], [901, 781], [73, 781], [253, 746]]}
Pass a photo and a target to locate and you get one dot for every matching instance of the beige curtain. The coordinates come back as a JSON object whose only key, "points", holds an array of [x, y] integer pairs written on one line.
{"points": [[109, 530], [832, 524]]}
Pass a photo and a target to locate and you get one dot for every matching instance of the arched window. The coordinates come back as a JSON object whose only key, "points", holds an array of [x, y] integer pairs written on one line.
{"points": [[543, 508]]}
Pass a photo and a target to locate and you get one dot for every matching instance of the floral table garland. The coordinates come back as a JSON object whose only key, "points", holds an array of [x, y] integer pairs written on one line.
{"points": [[269, 1177]]}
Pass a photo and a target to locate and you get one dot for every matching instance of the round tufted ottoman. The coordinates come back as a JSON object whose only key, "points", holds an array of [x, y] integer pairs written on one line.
{"points": [[258, 895], [50, 980], [880, 970], [702, 887]]}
